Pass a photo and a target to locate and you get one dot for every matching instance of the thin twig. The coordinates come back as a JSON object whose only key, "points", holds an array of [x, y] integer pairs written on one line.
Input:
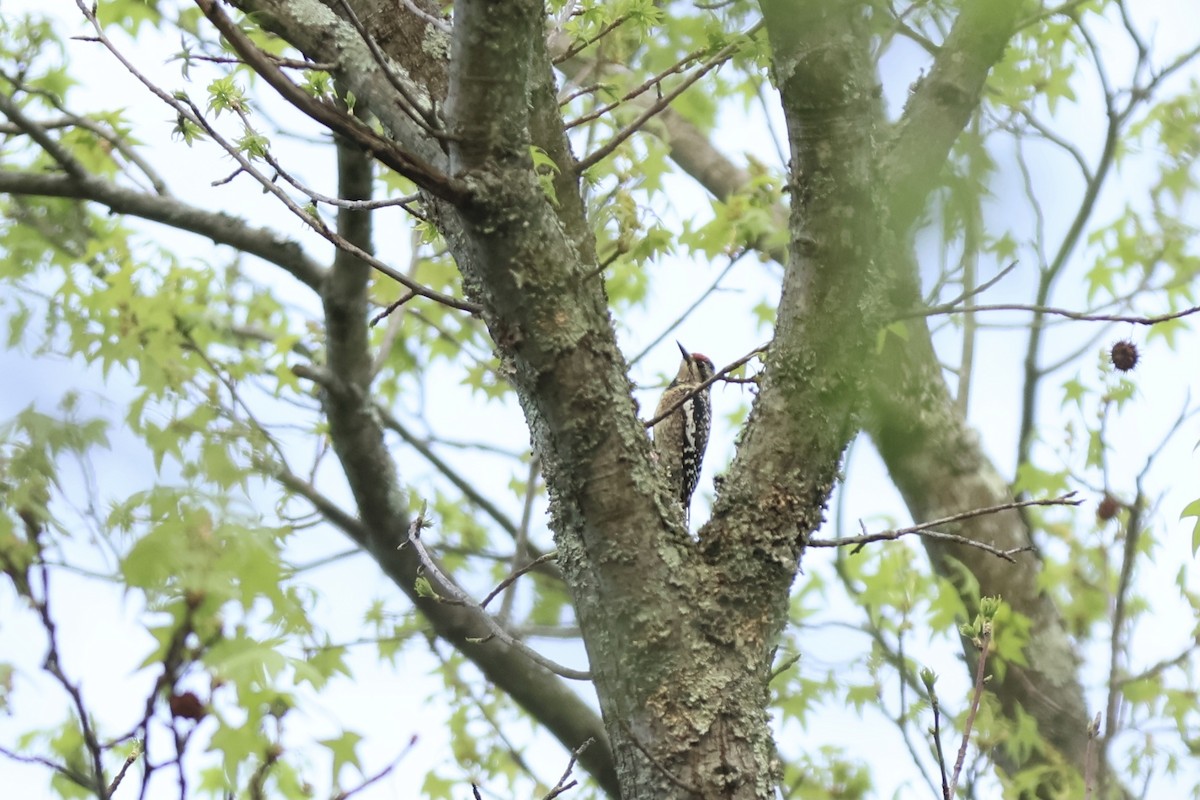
{"points": [[521, 550], [937, 741], [583, 44], [985, 642], [74, 776], [721, 56], [716, 377], [53, 665], [1157, 668], [391, 308], [651, 83], [469, 490], [980, 289], [687, 312], [1118, 646], [924, 528], [422, 117], [383, 773], [459, 597], [133, 756], [1060, 312], [471, 691], [517, 573], [654, 761], [562, 784]]}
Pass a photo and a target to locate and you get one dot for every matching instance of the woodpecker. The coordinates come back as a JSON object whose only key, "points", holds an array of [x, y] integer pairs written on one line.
{"points": [[681, 436]]}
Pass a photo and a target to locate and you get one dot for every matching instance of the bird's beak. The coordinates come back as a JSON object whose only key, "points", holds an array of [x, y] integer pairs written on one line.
{"points": [[686, 355]]}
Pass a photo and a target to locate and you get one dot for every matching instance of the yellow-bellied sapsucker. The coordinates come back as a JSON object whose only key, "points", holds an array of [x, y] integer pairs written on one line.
{"points": [[681, 436]]}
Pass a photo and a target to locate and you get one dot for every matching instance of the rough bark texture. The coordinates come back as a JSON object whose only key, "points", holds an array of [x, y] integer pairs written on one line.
{"points": [[684, 705], [930, 451], [358, 439], [680, 633], [356, 431], [662, 648]]}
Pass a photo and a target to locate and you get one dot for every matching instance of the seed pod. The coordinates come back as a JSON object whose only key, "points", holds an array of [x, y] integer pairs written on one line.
{"points": [[186, 706], [1108, 508], [1124, 355]]}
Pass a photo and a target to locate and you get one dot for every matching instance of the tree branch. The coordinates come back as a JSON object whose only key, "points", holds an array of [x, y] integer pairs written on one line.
{"points": [[942, 102], [925, 529], [1079, 316], [224, 229], [412, 154], [717, 376], [443, 582], [718, 58]]}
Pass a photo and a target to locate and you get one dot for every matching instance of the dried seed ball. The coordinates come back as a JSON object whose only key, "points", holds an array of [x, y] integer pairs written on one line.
{"points": [[1108, 508], [1124, 355], [186, 706]]}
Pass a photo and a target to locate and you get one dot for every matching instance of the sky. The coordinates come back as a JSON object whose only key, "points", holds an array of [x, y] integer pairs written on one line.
{"points": [[102, 642]]}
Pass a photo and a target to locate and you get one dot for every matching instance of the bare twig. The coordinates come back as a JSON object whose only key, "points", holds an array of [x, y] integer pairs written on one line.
{"points": [[520, 557], [1158, 667], [383, 773], [516, 573], [562, 784], [655, 762], [975, 291], [578, 47], [719, 375], [650, 83], [74, 776], [687, 312], [937, 734], [1117, 640], [1049, 310], [133, 756], [924, 528], [720, 57], [458, 596], [391, 308], [405, 201], [469, 490]]}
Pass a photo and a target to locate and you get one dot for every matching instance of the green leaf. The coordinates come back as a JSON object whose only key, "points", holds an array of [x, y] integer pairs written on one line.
{"points": [[344, 749], [546, 169], [1193, 510], [225, 95], [898, 329], [1074, 392]]}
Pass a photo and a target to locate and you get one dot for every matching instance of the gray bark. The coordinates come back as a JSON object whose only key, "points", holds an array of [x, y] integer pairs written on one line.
{"points": [[680, 634]]}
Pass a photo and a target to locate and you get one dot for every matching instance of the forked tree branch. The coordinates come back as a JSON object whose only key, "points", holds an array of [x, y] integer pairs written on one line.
{"points": [[456, 595], [926, 528], [1079, 316], [399, 157]]}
